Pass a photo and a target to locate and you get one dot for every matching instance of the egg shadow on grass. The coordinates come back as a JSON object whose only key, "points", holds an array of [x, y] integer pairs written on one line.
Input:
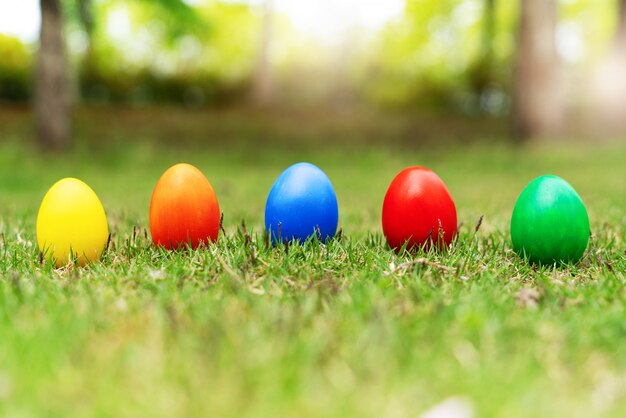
{"points": [[313, 239], [551, 263], [428, 248], [74, 260]]}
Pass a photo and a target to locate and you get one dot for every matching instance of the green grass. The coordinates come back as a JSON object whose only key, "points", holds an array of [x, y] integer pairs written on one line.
{"points": [[347, 329]]}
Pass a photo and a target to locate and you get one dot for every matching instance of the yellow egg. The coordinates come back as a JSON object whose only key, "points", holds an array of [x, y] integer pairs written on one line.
{"points": [[71, 223]]}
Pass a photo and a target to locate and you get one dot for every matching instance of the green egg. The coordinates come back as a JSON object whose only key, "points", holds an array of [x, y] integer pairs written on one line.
{"points": [[550, 222]]}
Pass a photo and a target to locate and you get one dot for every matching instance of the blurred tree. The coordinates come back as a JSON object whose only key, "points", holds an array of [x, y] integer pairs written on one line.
{"points": [[109, 72], [621, 25], [488, 29], [609, 84], [86, 17], [52, 101], [85, 14], [482, 72], [447, 55], [263, 83], [15, 70], [537, 107]]}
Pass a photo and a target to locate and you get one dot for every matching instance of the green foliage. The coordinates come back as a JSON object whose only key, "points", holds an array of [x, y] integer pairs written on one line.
{"points": [[594, 22], [439, 55], [177, 16], [15, 69], [161, 57], [433, 56]]}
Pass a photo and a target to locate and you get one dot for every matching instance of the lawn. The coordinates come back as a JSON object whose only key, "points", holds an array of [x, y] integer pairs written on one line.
{"points": [[347, 329]]}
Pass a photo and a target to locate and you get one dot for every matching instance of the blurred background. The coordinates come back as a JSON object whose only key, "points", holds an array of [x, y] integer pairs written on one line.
{"points": [[489, 93], [517, 69]]}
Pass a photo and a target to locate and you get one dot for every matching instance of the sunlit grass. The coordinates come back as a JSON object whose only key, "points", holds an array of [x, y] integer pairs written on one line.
{"points": [[244, 329]]}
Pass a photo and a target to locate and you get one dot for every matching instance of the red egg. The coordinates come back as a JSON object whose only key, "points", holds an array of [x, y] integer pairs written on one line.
{"points": [[418, 209], [184, 209]]}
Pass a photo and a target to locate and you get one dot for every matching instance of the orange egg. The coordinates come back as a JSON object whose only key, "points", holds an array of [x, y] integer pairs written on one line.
{"points": [[184, 209]]}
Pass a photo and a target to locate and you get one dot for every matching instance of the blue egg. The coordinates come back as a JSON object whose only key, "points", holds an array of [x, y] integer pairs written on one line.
{"points": [[301, 202]]}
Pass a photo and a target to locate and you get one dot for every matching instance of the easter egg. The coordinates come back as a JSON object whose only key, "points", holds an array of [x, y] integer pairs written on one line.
{"points": [[71, 223], [418, 210], [301, 202], [184, 209], [550, 222]]}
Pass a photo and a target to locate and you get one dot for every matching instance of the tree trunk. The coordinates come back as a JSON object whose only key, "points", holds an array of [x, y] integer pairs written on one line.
{"points": [[52, 96], [537, 107], [263, 82]]}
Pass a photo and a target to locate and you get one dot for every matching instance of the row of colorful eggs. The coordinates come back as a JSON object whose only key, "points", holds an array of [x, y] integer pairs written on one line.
{"points": [[549, 222]]}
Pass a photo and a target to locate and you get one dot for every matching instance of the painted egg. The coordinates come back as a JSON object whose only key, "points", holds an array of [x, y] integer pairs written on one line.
{"points": [[418, 210], [184, 209], [71, 223], [550, 222], [302, 202]]}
